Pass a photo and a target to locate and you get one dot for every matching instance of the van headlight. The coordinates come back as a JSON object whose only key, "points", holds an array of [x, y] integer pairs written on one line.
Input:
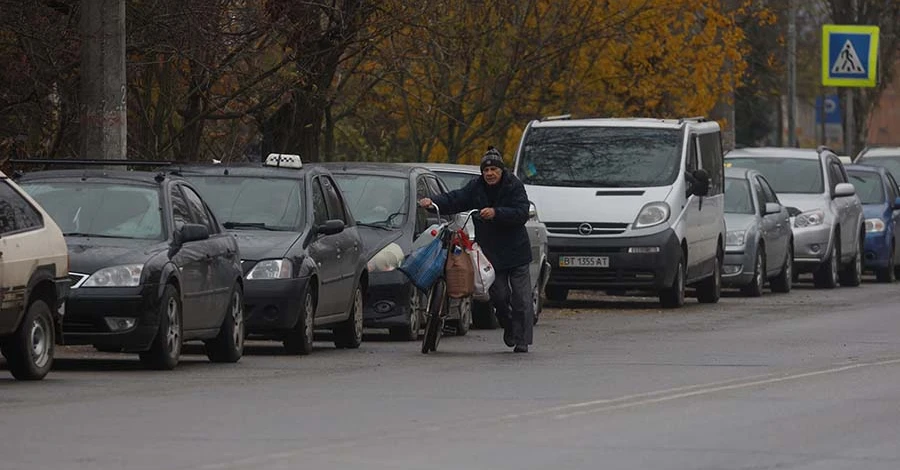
{"points": [[735, 238], [810, 218], [127, 275], [388, 259], [652, 214], [272, 269], [874, 226]]}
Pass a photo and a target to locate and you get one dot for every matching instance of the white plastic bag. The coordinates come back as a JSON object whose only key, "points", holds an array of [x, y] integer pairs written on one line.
{"points": [[484, 274]]}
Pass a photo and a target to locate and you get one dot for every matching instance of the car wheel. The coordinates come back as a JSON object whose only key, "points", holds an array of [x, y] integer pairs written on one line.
{"points": [[299, 340], [826, 275], [889, 273], [755, 288], [709, 290], [783, 283], [349, 334], [673, 297], [537, 303], [556, 294], [228, 346], [410, 332], [465, 316], [29, 352], [483, 317], [165, 350], [851, 276]]}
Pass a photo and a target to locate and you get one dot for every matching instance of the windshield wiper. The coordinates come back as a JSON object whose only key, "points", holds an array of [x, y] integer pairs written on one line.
{"points": [[95, 235], [375, 225], [259, 225]]}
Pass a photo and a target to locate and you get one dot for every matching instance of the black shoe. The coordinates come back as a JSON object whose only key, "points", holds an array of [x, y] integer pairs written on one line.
{"points": [[508, 337], [521, 348]]}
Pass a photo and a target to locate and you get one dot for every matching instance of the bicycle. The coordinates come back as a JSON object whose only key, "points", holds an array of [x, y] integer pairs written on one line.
{"points": [[438, 300]]}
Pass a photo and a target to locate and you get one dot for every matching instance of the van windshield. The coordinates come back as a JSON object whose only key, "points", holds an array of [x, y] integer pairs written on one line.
{"points": [[607, 157]]}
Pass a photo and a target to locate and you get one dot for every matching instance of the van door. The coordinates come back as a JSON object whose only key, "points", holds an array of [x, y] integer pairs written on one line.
{"points": [[712, 207], [692, 215]]}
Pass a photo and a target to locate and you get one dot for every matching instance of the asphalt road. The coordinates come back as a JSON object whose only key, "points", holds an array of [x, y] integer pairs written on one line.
{"points": [[809, 380]]}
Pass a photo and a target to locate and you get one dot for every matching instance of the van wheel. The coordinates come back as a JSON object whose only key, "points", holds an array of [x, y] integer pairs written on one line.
{"points": [[29, 352], [673, 297], [785, 279], [228, 346], [709, 290], [165, 351], [826, 275], [755, 288], [556, 294], [851, 276]]}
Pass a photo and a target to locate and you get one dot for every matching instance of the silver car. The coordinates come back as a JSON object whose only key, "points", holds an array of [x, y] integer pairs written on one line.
{"points": [[826, 214], [759, 240], [455, 177]]}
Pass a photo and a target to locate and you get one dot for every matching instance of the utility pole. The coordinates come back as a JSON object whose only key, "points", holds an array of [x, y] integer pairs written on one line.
{"points": [[792, 74], [103, 120]]}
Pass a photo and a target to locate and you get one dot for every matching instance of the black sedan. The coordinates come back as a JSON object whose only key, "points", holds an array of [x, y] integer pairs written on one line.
{"points": [[383, 198], [151, 266], [302, 260]]}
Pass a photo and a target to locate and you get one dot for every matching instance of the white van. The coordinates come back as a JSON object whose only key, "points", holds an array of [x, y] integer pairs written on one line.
{"points": [[629, 204]]}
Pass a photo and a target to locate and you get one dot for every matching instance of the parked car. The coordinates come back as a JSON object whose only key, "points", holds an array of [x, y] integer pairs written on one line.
{"points": [[629, 204], [303, 260], [827, 219], [759, 244], [34, 283], [880, 197], [886, 157], [383, 198], [455, 177], [151, 266]]}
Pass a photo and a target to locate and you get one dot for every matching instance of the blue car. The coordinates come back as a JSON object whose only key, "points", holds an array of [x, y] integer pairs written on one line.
{"points": [[878, 192]]}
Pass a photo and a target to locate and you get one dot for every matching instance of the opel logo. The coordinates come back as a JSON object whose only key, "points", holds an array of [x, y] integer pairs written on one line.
{"points": [[585, 229]]}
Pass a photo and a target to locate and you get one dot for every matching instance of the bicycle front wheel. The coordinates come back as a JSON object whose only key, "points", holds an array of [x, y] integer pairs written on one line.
{"points": [[435, 323]]}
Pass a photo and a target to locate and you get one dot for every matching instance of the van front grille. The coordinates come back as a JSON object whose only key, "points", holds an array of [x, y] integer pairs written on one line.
{"points": [[585, 228]]}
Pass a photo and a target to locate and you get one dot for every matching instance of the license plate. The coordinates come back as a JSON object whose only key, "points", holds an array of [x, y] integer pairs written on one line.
{"points": [[584, 261]]}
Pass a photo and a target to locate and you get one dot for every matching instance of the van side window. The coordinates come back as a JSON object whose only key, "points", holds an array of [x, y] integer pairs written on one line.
{"points": [[692, 163], [711, 158]]}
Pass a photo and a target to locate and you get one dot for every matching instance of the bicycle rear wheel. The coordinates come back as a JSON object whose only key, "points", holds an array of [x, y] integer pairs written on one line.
{"points": [[435, 323]]}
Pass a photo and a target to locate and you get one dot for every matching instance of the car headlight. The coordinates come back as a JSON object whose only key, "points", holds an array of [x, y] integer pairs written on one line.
{"points": [[652, 214], [388, 259], [735, 238], [127, 275], [272, 269], [810, 219], [874, 225]]}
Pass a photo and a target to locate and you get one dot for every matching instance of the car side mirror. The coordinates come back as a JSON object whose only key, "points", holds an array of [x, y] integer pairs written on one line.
{"points": [[191, 233], [772, 208], [532, 210], [844, 190], [700, 185], [331, 227]]}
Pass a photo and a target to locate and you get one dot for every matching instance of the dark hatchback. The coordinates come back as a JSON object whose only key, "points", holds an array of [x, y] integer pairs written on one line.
{"points": [[383, 198], [150, 265], [301, 249]]}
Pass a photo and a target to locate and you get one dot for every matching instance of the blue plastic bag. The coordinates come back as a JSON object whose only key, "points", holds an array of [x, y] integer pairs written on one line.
{"points": [[425, 265]]}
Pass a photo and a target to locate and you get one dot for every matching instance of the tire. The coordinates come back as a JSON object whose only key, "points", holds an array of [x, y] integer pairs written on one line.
{"points": [[784, 281], [888, 274], [556, 294], [165, 350], [537, 302], [851, 276], [410, 332], [228, 346], [349, 334], [673, 297], [465, 317], [298, 341], [826, 275], [709, 290], [434, 325], [483, 317], [755, 288], [29, 351]]}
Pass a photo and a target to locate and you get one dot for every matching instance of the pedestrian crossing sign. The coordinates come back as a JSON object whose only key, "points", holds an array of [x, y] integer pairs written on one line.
{"points": [[849, 55]]}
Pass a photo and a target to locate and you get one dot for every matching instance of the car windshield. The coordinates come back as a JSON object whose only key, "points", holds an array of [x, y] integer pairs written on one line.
{"points": [[600, 157], [738, 198], [891, 163], [376, 199], [785, 175], [868, 186], [454, 179], [100, 209], [253, 203]]}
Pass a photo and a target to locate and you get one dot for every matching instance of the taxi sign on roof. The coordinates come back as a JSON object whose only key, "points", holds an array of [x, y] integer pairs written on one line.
{"points": [[285, 160], [849, 55]]}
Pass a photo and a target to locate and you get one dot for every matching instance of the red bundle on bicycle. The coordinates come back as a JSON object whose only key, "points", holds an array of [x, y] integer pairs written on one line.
{"points": [[459, 270]]}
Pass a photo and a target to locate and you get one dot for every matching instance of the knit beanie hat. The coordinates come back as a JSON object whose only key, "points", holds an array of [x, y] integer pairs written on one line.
{"points": [[492, 158]]}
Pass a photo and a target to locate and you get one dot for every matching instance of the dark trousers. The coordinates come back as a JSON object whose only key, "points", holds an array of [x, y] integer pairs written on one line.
{"points": [[511, 296]]}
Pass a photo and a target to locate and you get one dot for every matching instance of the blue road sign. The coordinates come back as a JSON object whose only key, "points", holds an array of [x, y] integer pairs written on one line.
{"points": [[832, 110]]}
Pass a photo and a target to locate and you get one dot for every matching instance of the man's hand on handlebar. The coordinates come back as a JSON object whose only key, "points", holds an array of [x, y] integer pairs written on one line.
{"points": [[487, 213], [425, 202]]}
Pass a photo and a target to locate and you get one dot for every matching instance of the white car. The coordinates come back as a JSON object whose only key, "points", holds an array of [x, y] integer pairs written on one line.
{"points": [[34, 283]]}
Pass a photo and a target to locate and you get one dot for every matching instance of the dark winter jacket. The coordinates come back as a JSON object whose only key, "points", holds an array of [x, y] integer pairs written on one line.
{"points": [[504, 239]]}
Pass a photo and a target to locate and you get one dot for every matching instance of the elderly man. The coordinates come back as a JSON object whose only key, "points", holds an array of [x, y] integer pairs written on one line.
{"points": [[500, 230]]}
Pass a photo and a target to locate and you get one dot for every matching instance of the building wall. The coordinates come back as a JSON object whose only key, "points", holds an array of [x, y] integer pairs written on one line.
{"points": [[884, 124]]}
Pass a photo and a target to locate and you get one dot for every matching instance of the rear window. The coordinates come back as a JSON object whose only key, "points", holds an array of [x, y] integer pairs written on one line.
{"points": [[785, 175], [869, 186]]}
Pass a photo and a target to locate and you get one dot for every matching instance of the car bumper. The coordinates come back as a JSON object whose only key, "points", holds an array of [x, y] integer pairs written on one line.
{"points": [[273, 305], [626, 270], [87, 310], [387, 300], [739, 268], [812, 245], [877, 251]]}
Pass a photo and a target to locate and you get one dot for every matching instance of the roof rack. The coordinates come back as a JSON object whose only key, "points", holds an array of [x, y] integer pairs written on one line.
{"points": [[692, 119], [89, 162], [560, 117]]}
